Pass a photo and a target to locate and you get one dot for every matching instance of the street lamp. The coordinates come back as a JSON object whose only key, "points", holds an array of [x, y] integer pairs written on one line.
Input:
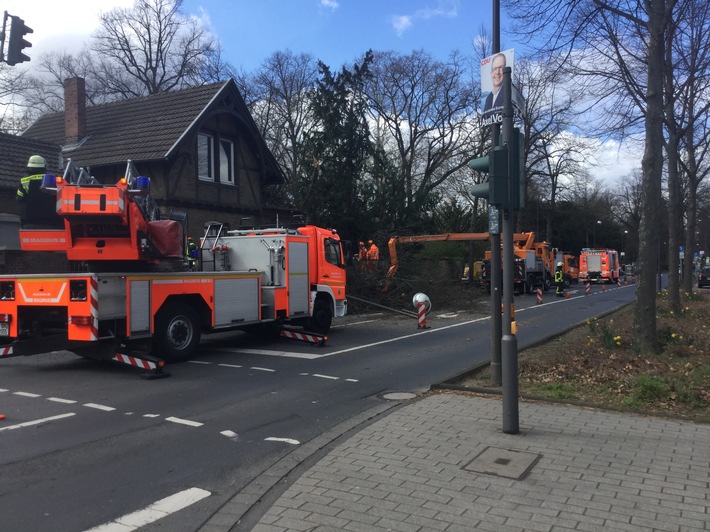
{"points": [[599, 222], [626, 232]]}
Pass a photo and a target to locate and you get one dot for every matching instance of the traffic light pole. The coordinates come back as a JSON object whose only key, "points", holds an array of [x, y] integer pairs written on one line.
{"points": [[494, 223], [509, 342]]}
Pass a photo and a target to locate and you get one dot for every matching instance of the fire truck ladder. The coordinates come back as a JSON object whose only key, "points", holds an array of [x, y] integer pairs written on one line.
{"points": [[209, 244]]}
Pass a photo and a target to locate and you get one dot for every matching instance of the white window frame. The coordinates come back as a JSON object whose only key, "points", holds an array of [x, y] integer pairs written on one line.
{"points": [[210, 157], [226, 150]]}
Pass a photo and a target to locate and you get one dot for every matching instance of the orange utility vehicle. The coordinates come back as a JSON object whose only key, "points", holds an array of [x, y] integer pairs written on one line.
{"points": [[131, 289], [599, 265]]}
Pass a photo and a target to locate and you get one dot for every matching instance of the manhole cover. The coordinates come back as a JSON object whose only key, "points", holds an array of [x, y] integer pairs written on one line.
{"points": [[503, 463], [399, 396]]}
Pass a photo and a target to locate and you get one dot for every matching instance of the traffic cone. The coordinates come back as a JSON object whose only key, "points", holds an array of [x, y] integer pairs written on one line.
{"points": [[2, 416], [567, 295]]}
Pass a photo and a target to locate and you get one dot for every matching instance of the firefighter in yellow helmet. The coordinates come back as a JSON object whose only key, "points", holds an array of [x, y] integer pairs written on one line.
{"points": [[37, 208], [559, 281]]}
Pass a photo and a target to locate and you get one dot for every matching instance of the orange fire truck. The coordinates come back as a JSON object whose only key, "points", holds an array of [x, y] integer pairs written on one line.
{"points": [[599, 265], [129, 296]]}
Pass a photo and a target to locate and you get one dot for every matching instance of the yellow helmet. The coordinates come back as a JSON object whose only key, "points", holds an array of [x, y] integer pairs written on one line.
{"points": [[36, 161]]}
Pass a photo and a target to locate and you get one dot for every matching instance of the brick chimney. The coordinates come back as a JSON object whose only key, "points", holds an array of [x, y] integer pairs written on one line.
{"points": [[74, 110]]}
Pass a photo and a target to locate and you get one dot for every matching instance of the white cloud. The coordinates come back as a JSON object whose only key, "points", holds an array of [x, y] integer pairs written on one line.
{"points": [[401, 23], [332, 4], [59, 26], [444, 8]]}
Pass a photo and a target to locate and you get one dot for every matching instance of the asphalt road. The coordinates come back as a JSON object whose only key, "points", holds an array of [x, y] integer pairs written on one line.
{"points": [[85, 443]]}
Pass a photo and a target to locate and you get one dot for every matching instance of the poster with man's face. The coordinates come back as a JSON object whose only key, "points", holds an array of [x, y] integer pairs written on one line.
{"points": [[492, 87]]}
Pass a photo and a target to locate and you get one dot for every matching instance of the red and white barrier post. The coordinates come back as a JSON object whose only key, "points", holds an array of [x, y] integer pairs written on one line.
{"points": [[423, 305], [587, 288], [538, 295]]}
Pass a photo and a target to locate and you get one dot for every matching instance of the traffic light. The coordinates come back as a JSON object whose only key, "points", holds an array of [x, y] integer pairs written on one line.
{"points": [[495, 164], [17, 42], [517, 170]]}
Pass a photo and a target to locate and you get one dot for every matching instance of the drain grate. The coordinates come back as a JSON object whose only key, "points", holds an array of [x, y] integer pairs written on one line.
{"points": [[503, 463]]}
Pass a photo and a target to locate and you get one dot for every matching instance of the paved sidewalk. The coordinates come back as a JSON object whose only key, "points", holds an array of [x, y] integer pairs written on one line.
{"points": [[418, 468]]}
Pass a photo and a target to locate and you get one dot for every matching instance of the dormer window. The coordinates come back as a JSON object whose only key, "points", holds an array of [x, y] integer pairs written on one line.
{"points": [[215, 159]]}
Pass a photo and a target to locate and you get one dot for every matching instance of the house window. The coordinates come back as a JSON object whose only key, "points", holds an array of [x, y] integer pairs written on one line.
{"points": [[226, 162], [205, 158], [215, 159]]}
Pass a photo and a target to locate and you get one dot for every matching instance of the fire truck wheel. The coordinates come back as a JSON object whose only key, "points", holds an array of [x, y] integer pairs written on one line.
{"points": [[322, 317], [177, 332]]}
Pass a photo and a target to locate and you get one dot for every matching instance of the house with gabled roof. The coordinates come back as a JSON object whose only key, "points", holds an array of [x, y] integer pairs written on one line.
{"points": [[200, 147]]}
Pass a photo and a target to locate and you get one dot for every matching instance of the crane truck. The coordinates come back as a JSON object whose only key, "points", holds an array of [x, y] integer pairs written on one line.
{"points": [[128, 295]]}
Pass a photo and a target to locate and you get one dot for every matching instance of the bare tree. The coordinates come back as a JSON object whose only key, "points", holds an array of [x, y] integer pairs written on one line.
{"points": [[420, 108], [632, 36], [279, 96], [149, 48]]}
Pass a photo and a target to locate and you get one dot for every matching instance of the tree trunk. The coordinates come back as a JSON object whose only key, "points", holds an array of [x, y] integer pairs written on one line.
{"points": [[645, 328]]}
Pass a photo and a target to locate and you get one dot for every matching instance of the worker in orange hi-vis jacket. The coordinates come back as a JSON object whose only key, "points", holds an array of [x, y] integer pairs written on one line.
{"points": [[373, 255], [361, 254]]}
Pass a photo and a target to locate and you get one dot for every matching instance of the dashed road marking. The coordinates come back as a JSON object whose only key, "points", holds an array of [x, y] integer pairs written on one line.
{"points": [[27, 394], [331, 377], [37, 421], [99, 407], [229, 434], [154, 512], [230, 365], [187, 422], [262, 369], [283, 440], [60, 400]]}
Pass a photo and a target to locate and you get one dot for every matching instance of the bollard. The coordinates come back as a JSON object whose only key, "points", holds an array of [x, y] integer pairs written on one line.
{"points": [[423, 305], [567, 295], [587, 288], [421, 316], [2, 416], [618, 282], [539, 295], [603, 288]]}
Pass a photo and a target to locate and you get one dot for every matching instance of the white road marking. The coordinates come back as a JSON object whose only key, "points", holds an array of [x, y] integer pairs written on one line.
{"points": [[155, 511], [4, 390], [229, 434], [203, 362], [353, 323], [184, 421], [325, 376], [100, 407], [351, 380], [270, 353], [37, 421], [151, 415], [230, 365], [261, 369], [27, 394], [60, 400], [284, 440]]}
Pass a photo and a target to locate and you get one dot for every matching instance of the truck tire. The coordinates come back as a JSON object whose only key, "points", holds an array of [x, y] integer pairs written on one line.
{"points": [[322, 317], [530, 285], [177, 332]]}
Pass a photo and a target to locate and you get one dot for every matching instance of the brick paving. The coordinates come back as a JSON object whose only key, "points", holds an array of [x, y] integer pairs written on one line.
{"points": [[595, 470]]}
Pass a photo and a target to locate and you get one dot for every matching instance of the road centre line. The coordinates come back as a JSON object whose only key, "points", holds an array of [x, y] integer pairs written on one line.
{"points": [[27, 394], [256, 368], [100, 407], [325, 376], [184, 421], [154, 512], [60, 400], [37, 421]]}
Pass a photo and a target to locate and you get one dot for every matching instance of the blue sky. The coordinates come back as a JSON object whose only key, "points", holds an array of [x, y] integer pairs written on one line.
{"points": [[339, 31]]}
